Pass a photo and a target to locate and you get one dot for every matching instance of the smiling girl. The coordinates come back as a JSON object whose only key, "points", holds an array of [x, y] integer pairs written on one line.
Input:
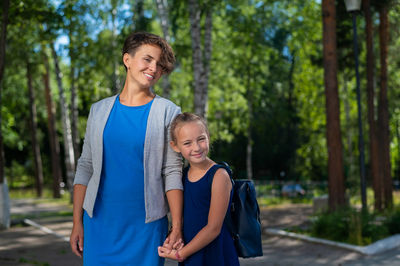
{"points": [[208, 241]]}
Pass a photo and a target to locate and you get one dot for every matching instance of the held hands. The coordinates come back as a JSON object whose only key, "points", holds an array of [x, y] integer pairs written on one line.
{"points": [[174, 239], [172, 244], [76, 239], [171, 254]]}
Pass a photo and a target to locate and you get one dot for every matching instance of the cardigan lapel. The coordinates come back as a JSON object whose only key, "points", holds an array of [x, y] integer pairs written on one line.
{"points": [[98, 130]]}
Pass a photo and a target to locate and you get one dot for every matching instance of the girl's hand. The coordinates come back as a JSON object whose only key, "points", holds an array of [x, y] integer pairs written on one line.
{"points": [[170, 254]]}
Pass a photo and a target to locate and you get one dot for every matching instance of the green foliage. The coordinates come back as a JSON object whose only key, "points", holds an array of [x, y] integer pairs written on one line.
{"points": [[350, 226]]}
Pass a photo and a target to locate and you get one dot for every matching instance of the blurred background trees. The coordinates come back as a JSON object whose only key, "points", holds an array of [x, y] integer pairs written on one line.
{"points": [[254, 69]]}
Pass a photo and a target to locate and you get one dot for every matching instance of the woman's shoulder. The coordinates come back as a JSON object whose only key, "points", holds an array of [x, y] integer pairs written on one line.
{"points": [[163, 102], [103, 102]]}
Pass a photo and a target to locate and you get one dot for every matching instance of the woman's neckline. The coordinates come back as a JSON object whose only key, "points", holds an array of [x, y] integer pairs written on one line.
{"points": [[133, 106]]}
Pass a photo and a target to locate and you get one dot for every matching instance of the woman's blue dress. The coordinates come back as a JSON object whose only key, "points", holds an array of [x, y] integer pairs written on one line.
{"points": [[197, 197], [117, 234]]}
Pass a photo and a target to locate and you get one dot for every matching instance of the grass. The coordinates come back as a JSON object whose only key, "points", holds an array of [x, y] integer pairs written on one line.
{"points": [[30, 193]]}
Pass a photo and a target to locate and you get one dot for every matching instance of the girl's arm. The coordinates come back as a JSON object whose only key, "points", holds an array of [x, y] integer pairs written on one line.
{"points": [[220, 195]]}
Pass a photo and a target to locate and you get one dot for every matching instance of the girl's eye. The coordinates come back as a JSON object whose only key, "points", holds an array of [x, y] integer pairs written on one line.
{"points": [[186, 143]]}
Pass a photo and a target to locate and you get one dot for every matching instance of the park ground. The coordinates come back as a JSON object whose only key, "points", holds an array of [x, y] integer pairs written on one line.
{"points": [[29, 245]]}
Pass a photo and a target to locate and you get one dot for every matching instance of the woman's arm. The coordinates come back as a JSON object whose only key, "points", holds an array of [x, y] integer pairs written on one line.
{"points": [[220, 195], [175, 202], [76, 238], [84, 171]]}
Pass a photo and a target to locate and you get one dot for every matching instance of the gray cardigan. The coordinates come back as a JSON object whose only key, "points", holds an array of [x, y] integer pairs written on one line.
{"points": [[162, 165]]}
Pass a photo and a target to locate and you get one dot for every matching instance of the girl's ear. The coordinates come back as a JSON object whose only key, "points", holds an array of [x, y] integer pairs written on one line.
{"points": [[174, 146]]}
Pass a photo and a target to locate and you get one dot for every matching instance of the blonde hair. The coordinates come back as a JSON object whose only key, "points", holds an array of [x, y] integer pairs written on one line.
{"points": [[183, 119]]}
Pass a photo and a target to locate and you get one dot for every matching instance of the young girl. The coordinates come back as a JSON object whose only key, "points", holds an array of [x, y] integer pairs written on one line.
{"points": [[207, 239]]}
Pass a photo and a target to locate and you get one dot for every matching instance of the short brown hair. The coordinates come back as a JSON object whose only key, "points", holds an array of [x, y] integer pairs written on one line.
{"points": [[183, 119], [137, 39]]}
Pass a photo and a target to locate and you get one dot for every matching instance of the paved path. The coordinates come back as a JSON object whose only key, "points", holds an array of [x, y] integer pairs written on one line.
{"points": [[27, 245]]}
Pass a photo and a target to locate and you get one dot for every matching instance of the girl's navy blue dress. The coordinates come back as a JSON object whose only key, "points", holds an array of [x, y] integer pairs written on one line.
{"points": [[197, 198], [117, 234]]}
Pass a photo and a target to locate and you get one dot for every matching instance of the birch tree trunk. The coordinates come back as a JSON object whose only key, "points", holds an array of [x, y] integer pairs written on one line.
{"points": [[33, 125], [115, 80], [334, 142], [201, 57], [162, 9], [51, 126], [67, 135], [383, 108], [4, 196]]}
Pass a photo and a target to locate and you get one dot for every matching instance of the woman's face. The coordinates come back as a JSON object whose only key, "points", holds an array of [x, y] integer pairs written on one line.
{"points": [[144, 69]]}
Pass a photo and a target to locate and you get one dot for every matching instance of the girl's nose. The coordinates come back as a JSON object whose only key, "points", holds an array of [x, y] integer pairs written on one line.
{"points": [[196, 146]]}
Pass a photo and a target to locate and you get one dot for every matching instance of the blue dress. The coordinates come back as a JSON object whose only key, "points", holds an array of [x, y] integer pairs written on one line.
{"points": [[117, 234], [221, 251]]}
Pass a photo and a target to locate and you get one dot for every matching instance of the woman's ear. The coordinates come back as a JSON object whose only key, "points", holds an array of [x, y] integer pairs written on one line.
{"points": [[174, 146], [126, 58]]}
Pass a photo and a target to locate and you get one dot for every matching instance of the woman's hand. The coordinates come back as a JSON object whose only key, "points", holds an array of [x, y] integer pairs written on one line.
{"points": [[170, 254], [174, 240], [76, 239]]}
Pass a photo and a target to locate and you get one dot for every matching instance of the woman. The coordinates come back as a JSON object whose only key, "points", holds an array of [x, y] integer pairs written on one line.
{"points": [[127, 172]]}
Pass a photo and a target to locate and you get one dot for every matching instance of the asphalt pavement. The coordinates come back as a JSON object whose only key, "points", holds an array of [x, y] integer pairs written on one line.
{"points": [[45, 242]]}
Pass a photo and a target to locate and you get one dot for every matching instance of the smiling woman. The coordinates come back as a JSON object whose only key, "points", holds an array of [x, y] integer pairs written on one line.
{"points": [[127, 171]]}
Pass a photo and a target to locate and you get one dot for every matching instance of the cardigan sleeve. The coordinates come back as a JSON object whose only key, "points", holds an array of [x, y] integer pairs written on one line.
{"points": [[84, 169], [172, 161]]}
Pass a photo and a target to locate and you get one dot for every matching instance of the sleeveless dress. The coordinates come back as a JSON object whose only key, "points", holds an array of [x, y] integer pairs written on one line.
{"points": [[117, 233], [197, 198]]}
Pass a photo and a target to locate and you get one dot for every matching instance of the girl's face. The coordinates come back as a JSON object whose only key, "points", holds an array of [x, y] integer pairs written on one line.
{"points": [[143, 67], [192, 141]]}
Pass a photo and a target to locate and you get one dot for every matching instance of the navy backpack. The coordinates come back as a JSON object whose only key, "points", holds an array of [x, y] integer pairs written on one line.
{"points": [[243, 221]]}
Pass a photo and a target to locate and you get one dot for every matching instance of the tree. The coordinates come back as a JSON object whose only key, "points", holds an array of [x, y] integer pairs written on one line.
{"points": [[201, 56], [67, 135], [383, 107], [373, 141], [335, 164], [162, 10], [51, 126], [4, 198], [33, 125]]}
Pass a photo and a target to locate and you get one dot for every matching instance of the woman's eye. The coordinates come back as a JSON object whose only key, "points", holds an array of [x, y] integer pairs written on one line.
{"points": [[147, 60]]}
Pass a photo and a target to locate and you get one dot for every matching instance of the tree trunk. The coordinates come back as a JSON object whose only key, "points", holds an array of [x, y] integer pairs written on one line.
{"points": [[51, 126], [348, 126], [335, 161], [201, 59], [33, 125], [162, 9], [74, 113], [5, 219], [6, 5], [115, 80], [67, 135], [383, 108], [249, 148], [373, 141]]}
